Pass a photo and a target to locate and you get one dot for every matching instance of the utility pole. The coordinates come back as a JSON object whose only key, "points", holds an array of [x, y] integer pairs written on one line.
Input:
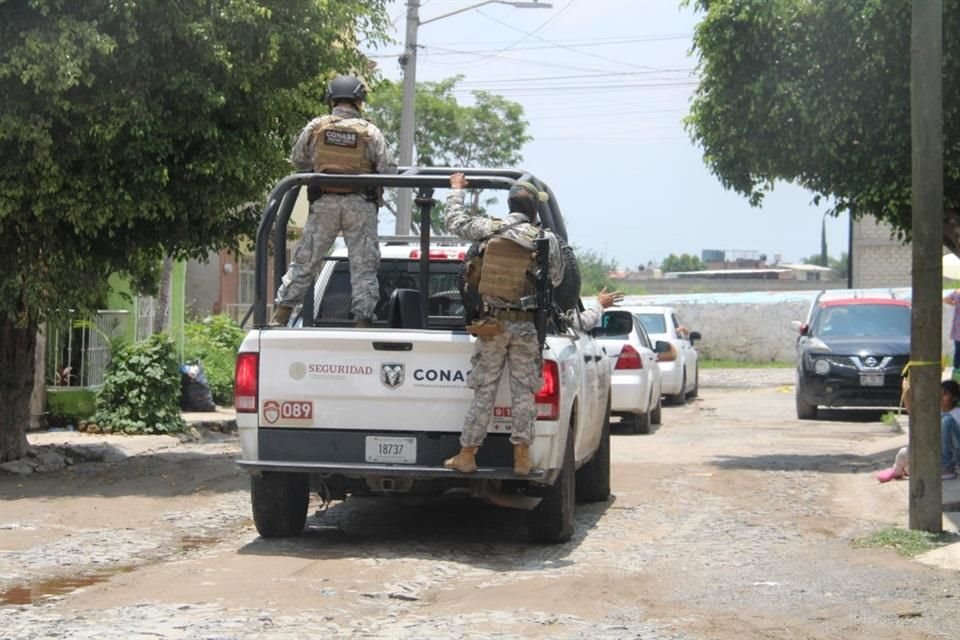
{"points": [[926, 120], [407, 116], [409, 63]]}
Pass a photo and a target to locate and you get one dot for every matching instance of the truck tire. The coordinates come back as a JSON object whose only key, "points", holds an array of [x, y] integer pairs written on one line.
{"points": [[551, 521], [567, 294], [280, 503], [593, 478]]}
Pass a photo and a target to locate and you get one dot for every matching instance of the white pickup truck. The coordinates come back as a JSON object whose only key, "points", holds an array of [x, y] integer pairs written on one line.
{"points": [[343, 411]]}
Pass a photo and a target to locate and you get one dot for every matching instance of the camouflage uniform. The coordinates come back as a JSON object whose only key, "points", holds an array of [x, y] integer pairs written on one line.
{"points": [[586, 319], [351, 213], [517, 345]]}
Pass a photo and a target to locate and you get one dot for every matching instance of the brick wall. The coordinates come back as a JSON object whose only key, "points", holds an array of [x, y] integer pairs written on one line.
{"points": [[879, 260]]}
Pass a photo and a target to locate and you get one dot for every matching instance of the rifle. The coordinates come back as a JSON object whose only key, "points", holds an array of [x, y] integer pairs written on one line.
{"points": [[544, 290]]}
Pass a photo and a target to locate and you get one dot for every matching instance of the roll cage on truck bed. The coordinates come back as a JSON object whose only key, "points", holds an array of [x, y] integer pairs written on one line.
{"points": [[338, 419]]}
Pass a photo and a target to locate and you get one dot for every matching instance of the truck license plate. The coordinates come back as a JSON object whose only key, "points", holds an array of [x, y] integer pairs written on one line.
{"points": [[386, 449], [871, 379]]}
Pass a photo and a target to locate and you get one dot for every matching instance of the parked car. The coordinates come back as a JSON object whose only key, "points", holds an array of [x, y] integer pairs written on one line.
{"points": [[635, 383], [679, 367], [851, 353]]}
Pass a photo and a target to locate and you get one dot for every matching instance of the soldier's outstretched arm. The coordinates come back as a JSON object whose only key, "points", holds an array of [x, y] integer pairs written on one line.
{"points": [[456, 218]]}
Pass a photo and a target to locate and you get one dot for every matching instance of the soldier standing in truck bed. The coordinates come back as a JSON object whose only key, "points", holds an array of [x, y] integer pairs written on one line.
{"points": [[341, 142], [507, 332]]}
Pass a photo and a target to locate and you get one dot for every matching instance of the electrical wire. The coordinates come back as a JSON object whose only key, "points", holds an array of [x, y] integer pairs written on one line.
{"points": [[526, 34]]}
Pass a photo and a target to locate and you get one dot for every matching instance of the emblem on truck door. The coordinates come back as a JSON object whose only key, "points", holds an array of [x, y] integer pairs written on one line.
{"points": [[391, 374]]}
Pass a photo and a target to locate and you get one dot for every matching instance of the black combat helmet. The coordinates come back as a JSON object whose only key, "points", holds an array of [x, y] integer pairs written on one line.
{"points": [[345, 88], [525, 198]]}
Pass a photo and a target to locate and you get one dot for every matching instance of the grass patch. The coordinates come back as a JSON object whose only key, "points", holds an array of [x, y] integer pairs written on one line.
{"points": [[745, 364], [905, 542]]}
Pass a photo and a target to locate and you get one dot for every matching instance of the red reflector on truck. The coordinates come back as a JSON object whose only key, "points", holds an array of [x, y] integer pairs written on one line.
{"points": [[548, 397], [245, 389]]}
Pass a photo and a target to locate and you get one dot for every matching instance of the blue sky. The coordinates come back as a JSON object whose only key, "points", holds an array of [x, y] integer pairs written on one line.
{"points": [[604, 85]]}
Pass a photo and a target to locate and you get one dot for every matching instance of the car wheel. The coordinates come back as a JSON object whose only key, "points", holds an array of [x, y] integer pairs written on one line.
{"points": [[280, 503], [593, 478], [551, 521], [641, 422], [805, 410], [696, 384], [656, 416], [680, 398]]}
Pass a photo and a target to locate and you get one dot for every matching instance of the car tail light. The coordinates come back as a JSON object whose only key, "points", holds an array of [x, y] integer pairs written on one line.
{"points": [[629, 358], [245, 388], [548, 398], [668, 356]]}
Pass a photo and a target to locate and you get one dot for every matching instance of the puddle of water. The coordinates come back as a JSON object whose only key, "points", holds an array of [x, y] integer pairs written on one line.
{"points": [[37, 592]]}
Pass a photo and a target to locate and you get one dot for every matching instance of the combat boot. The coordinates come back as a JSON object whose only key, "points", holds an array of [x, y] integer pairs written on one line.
{"points": [[522, 465], [464, 462], [281, 315]]}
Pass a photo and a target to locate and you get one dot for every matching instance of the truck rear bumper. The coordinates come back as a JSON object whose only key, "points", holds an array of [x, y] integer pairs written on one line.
{"points": [[367, 470]]}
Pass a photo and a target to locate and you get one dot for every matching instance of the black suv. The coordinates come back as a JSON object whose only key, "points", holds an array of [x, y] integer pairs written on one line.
{"points": [[851, 353]]}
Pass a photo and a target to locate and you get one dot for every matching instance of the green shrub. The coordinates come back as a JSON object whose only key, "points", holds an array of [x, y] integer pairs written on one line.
{"points": [[141, 391], [214, 342]]}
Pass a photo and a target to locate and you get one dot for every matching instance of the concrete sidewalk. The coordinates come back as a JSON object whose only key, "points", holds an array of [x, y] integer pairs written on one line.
{"points": [[224, 419]]}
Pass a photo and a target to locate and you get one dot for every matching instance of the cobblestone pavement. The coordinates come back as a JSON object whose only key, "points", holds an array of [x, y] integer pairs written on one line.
{"points": [[732, 520]]}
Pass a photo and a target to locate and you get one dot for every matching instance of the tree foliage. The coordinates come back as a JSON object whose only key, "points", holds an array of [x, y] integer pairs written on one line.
{"points": [[488, 133], [594, 271], [682, 262], [134, 129], [817, 92]]}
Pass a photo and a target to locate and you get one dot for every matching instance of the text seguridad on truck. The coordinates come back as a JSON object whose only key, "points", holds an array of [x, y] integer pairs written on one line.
{"points": [[324, 406]]}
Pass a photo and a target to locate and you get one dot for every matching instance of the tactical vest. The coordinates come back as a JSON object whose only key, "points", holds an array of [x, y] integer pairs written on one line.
{"points": [[507, 270], [340, 146]]}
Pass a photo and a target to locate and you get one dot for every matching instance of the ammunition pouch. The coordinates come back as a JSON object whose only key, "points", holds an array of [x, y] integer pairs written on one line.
{"points": [[485, 328]]}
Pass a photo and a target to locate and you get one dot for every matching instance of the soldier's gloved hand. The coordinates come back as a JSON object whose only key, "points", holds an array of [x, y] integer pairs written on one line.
{"points": [[458, 181]]}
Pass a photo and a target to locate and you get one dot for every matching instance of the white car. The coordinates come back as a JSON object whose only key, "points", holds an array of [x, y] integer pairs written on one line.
{"points": [[635, 383], [679, 367]]}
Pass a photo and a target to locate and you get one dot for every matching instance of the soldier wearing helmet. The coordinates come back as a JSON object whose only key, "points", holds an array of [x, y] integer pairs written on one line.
{"points": [[340, 142], [507, 333]]}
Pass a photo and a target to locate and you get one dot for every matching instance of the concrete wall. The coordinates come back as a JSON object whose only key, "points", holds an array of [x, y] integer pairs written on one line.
{"points": [[879, 259], [203, 285], [754, 326]]}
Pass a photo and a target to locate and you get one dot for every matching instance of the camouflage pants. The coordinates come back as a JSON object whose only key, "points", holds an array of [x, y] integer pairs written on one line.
{"points": [[517, 346], [356, 217]]}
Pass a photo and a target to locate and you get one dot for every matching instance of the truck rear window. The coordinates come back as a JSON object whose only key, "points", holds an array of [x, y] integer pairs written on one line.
{"points": [[444, 295]]}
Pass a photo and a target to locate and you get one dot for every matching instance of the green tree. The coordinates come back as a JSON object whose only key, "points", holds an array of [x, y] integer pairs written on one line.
{"points": [[490, 132], [683, 262], [133, 130], [818, 93], [594, 271]]}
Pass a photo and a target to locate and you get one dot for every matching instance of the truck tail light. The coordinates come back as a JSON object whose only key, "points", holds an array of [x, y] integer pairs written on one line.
{"points": [[629, 358], [548, 398], [245, 388], [668, 356]]}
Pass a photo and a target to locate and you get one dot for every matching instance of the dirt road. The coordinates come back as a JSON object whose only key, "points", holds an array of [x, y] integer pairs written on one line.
{"points": [[732, 520]]}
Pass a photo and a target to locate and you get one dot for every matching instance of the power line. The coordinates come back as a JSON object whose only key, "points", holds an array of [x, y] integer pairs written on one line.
{"points": [[611, 74], [526, 34], [567, 47]]}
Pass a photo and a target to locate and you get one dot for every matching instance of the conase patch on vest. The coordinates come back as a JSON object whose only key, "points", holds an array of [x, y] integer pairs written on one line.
{"points": [[338, 138]]}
